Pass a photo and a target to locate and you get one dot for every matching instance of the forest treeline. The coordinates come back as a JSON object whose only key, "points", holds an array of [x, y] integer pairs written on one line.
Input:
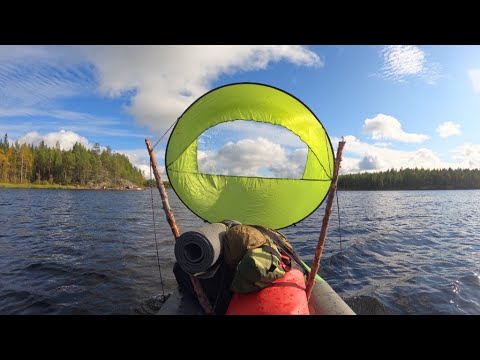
{"points": [[153, 183], [40, 164], [412, 179]]}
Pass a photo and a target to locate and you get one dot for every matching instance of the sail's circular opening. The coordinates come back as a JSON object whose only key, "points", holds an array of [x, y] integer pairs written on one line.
{"points": [[248, 148]]}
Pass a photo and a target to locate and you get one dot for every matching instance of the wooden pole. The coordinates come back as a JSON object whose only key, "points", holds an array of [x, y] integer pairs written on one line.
{"points": [[326, 218], [202, 298], [163, 193]]}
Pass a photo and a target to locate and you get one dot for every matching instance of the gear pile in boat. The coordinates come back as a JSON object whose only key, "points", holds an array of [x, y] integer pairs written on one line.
{"points": [[231, 258]]}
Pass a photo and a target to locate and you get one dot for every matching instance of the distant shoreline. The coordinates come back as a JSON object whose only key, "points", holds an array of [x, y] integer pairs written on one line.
{"points": [[123, 188], [65, 187]]}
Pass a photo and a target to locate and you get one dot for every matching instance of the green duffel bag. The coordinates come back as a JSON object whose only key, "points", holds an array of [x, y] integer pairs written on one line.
{"points": [[238, 239], [258, 268]]}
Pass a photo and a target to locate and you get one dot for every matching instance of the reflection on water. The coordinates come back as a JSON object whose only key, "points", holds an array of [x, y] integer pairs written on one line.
{"points": [[93, 252]]}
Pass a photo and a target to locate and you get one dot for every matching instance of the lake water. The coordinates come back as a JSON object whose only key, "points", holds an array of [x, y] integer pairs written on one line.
{"points": [[93, 252]]}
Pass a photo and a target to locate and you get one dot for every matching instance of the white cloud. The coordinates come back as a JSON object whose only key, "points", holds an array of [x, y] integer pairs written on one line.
{"points": [[350, 165], [468, 155], [253, 157], [383, 144], [448, 128], [361, 156], [370, 162], [141, 160], [206, 162], [402, 62], [475, 78], [387, 127], [167, 79], [293, 167], [66, 139]]}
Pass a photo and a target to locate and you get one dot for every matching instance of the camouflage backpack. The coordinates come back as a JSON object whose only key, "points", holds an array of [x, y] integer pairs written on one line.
{"points": [[258, 268], [238, 240]]}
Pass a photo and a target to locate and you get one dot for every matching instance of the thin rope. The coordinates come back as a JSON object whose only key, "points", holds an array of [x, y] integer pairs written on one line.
{"points": [[155, 233], [166, 132], [326, 145], [338, 216]]}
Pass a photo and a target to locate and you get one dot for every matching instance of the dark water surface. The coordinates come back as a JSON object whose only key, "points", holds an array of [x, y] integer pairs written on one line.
{"points": [[93, 252]]}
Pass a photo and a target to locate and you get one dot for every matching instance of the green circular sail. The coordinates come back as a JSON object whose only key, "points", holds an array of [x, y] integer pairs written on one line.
{"points": [[272, 202]]}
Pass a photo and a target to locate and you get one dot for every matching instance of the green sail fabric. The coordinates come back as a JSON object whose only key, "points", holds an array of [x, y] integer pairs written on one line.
{"points": [[275, 203]]}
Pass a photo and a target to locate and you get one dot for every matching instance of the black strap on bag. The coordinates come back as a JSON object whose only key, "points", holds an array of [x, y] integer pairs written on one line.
{"points": [[273, 252]]}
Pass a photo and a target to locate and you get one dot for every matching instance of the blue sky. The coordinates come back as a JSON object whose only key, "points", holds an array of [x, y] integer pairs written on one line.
{"points": [[397, 106]]}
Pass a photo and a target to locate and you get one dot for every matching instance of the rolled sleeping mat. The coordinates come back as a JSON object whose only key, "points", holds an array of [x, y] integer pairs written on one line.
{"points": [[196, 251]]}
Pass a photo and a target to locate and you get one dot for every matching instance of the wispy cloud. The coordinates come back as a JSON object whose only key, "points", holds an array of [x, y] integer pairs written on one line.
{"points": [[37, 75], [17, 121], [66, 115], [19, 111], [32, 81], [388, 128], [448, 128], [475, 78], [406, 62], [17, 130]]}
